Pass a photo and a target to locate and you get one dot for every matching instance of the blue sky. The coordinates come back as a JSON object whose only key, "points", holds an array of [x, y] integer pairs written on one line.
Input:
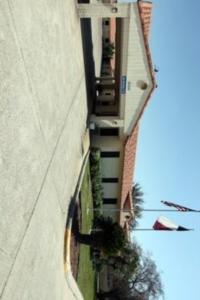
{"points": [[168, 157]]}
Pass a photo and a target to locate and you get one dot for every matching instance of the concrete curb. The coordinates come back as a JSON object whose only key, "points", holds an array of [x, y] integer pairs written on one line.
{"points": [[67, 266], [72, 285]]}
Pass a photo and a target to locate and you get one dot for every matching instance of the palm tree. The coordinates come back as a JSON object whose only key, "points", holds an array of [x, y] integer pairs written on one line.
{"points": [[108, 50], [137, 198]]}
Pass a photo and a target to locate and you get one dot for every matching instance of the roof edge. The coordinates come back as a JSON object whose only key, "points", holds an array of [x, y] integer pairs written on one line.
{"points": [[150, 64]]}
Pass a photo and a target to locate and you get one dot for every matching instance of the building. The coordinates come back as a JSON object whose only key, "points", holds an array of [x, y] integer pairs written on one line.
{"points": [[121, 98]]}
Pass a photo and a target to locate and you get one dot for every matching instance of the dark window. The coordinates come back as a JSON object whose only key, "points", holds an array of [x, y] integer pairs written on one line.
{"points": [[107, 40], [110, 154], [107, 113], [109, 131], [110, 201], [107, 22], [105, 103], [109, 180]]}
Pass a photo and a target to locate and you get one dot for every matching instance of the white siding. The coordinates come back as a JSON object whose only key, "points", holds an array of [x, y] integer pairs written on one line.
{"points": [[135, 67], [102, 10], [107, 143]]}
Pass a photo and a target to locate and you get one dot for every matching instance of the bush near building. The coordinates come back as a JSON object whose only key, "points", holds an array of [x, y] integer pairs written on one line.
{"points": [[97, 190]]}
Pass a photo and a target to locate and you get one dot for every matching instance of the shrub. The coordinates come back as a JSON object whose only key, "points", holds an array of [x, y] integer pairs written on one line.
{"points": [[109, 237], [97, 190], [113, 234], [108, 50]]}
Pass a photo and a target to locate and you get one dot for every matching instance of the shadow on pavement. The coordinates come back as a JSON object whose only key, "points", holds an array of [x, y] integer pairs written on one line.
{"points": [[89, 63], [71, 210]]}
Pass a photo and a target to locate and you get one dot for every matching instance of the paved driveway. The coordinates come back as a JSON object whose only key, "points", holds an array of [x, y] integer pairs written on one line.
{"points": [[43, 113]]}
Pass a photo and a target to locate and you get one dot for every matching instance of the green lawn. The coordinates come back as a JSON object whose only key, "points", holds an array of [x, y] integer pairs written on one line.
{"points": [[86, 274]]}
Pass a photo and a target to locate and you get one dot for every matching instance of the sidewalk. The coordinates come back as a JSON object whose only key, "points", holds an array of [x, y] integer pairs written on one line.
{"points": [[43, 117], [92, 47]]}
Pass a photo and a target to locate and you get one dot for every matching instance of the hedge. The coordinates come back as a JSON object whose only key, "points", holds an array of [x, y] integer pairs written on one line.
{"points": [[97, 190]]}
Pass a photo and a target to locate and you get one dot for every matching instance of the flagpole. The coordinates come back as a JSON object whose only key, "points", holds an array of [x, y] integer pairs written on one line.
{"points": [[170, 210], [151, 229], [144, 209]]}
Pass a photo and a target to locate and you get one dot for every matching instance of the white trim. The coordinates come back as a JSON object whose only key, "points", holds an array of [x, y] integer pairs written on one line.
{"points": [[103, 10]]}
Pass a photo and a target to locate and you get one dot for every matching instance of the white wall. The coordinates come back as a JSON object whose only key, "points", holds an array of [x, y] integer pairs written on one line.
{"points": [[136, 67]]}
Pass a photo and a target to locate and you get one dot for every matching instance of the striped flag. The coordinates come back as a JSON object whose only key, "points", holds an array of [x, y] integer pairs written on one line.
{"points": [[178, 207], [163, 223]]}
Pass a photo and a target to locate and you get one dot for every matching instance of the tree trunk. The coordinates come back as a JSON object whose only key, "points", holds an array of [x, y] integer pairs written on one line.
{"points": [[111, 295], [93, 240]]}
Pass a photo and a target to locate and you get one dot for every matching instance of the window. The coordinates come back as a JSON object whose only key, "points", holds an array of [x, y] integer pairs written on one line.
{"points": [[110, 180], [105, 103], [109, 200], [110, 154], [111, 131], [107, 22]]}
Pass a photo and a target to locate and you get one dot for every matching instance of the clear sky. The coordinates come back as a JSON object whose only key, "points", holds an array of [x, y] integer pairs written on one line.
{"points": [[168, 157]]}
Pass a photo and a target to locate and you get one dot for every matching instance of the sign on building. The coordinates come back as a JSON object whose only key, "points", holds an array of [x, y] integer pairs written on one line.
{"points": [[123, 85]]}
